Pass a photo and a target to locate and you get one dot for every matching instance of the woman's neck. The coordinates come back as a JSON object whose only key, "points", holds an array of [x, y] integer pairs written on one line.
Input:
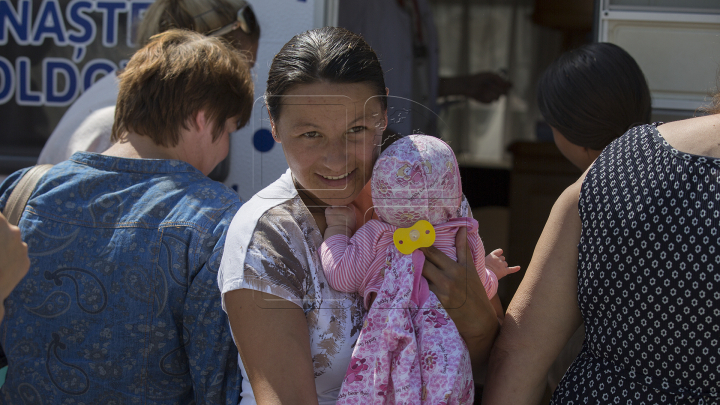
{"points": [[313, 204], [364, 206], [135, 146]]}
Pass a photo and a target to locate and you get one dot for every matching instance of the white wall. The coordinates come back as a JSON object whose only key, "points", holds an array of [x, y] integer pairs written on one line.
{"points": [[250, 169], [679, 52]]}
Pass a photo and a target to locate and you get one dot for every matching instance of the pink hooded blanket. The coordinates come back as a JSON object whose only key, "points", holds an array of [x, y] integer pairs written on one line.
{"points": [[409, 350]]}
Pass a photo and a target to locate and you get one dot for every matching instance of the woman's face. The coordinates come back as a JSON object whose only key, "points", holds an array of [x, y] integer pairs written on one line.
{"points": [[331, 135]]}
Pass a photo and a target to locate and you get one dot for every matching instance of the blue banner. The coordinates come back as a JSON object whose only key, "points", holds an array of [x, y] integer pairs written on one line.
{"points": [[50, 52]]}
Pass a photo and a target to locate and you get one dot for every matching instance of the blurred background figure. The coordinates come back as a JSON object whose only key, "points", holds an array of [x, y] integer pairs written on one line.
{"points": [[403, 34], [87, 125], [14, 261]]}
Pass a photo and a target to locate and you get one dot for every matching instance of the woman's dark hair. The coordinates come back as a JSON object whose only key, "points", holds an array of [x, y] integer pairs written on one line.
{"points": [[330, 54], [594, 94]]}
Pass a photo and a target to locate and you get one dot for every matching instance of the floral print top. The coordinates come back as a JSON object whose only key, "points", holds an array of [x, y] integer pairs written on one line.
{"points": [[272, 246]]}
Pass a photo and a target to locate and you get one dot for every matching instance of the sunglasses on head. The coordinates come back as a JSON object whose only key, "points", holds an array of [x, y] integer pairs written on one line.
{"points": [[245, 21]]}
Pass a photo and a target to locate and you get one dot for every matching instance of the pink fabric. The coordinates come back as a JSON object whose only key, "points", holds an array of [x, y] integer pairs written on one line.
{"points": [[409, 350], [355, 264], [420, 289], [415, 178], [406, 354]]}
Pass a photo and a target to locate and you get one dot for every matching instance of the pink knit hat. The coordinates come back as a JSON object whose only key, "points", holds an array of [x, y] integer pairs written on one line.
{"points": [[415, 178]]}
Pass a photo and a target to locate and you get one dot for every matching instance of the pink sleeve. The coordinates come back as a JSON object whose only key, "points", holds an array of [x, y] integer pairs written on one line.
{"points": [[345, 260], [488, 278]]}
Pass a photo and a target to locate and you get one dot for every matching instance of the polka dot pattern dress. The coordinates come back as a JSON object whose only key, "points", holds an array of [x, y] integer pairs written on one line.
{"points": [[648, 277]]}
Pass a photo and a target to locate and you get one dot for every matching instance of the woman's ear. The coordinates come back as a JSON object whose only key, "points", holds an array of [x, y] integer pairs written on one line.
{"points": [[273, 129], [200, 121]]}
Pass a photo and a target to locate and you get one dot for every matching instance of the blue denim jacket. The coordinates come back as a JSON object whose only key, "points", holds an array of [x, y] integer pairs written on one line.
{"points": [[121, 303]]}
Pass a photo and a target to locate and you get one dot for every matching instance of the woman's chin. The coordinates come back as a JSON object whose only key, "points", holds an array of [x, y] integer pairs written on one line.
{"points": [[337, 197], [343, 196]]}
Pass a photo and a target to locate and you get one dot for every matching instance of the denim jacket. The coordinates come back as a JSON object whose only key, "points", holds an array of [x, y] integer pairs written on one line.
{"points": [[121, 304]]}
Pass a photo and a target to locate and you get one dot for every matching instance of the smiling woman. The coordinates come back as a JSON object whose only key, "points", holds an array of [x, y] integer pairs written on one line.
{"points": [[327, 106], [332, 159]]}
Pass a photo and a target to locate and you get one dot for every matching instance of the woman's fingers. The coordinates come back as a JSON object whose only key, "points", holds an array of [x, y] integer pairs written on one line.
{"points": [[437, 279], [461, 245], [448, 278], [459, 289], [443, 281]]}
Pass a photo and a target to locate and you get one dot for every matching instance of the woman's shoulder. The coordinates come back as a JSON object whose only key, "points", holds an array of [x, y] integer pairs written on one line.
{"points": [[696, 136], [273, 208], [272, 238]]}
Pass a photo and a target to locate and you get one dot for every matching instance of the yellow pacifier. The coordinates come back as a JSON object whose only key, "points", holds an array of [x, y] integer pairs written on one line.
{"points": [[422, 234]]}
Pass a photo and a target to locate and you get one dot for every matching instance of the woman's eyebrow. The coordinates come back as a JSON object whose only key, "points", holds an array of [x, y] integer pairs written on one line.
{"points": [[369, 115], [305, 125]]}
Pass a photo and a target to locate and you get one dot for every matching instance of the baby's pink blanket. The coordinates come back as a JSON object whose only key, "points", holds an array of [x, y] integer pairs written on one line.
{"points": [[409, 350]]}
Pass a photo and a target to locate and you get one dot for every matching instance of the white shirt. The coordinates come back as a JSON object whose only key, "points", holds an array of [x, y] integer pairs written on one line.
{"points": [[86, 125], [272, 246]]}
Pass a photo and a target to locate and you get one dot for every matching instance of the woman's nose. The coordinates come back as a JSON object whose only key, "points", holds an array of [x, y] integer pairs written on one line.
{"points": [[336, 155]]}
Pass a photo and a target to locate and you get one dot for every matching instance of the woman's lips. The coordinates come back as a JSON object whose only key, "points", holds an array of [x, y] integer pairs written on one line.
{"points": [[337, 183]]}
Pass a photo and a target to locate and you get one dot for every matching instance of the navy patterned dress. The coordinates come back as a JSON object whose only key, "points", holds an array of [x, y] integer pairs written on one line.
{"points": [[648, 277]]}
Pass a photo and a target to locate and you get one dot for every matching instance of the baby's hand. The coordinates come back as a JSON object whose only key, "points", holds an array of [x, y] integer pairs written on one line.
{"points": [[496, 263], [340, 220]]}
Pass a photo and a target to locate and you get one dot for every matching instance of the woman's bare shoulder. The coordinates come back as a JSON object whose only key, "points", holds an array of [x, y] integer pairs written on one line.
{"points": [[568, 200], [698, 136]]}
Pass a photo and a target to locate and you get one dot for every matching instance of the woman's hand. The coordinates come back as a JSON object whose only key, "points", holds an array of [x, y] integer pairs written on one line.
{"points": [[459, 289]]}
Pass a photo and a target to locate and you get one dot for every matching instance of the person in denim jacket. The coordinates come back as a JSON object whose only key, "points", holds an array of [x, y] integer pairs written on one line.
{"points": [[121, 303]]}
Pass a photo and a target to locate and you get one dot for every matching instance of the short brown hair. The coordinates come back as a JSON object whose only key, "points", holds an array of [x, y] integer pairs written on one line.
{"points": [[175, 76]]}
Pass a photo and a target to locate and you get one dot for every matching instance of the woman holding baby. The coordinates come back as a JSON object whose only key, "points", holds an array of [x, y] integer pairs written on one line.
{"points": [[295, 333]]}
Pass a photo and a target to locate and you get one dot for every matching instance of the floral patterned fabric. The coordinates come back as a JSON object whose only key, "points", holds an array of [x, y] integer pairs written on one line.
{"points": [[408, 352], [415, 178], [272, 246], [121, 305]]}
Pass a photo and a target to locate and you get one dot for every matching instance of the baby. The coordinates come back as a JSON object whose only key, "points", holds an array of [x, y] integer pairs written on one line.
{"points": [[409, 349]]}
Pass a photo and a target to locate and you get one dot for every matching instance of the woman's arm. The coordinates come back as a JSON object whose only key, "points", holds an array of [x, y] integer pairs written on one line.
{"points": [[459, 289], [272, 338], [543, 313]]}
